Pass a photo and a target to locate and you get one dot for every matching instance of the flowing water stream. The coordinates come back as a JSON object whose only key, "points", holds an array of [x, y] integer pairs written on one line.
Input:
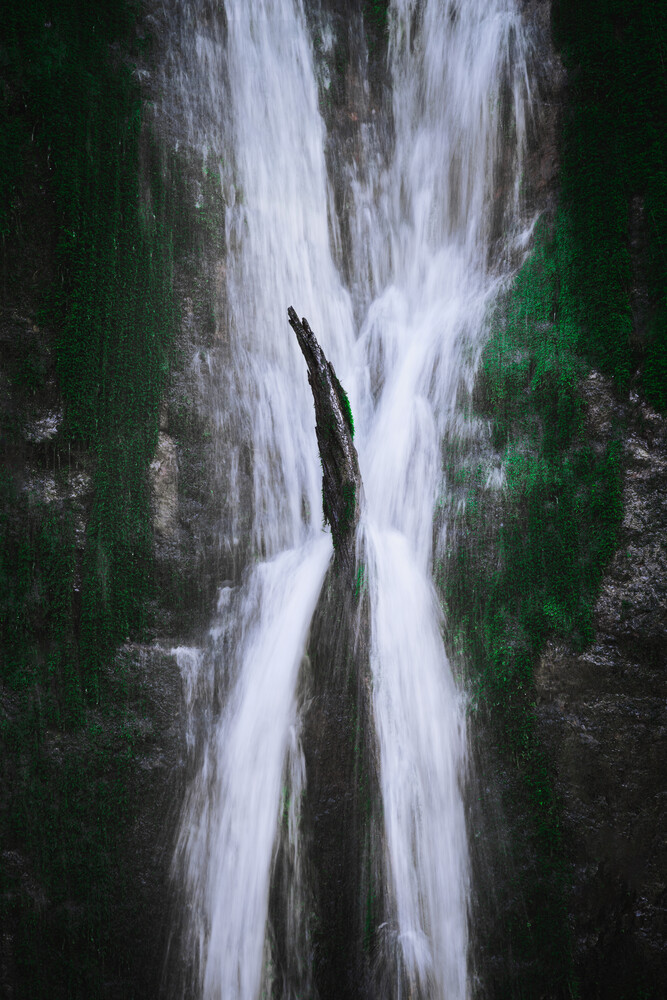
{"points": [[242, 88]]}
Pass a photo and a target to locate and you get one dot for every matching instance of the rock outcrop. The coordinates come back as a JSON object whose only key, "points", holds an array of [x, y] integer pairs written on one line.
{"points": [[163, 473], [602, 717]]}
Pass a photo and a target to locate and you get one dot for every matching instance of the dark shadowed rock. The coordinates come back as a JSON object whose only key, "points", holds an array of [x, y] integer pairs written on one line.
{"points": [[603, 722], [342, 813]]}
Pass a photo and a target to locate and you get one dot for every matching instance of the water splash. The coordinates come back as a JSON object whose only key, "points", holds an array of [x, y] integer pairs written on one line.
{"points": [[233, 805]]}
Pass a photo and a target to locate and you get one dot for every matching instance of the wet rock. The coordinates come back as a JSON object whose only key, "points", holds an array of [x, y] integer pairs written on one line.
{"points": [[342, 816], [164, 485], [155, 718], [356, 105], [540, 181], [602, 716]]}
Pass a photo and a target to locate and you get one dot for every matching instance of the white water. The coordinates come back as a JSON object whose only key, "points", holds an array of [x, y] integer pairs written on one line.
{"points": [[232, 811], [420, 245], [449, 61]]}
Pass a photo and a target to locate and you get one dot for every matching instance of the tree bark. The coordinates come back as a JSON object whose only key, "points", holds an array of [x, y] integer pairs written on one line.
{"points": [[341, 479]]}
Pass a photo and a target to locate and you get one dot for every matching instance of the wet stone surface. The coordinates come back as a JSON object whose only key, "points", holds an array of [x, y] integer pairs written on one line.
{"points": [[602, 716]]}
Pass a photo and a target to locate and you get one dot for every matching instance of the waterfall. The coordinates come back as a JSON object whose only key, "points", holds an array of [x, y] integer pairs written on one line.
{"points": [[259, 78], [452, 65], [240, 88]]}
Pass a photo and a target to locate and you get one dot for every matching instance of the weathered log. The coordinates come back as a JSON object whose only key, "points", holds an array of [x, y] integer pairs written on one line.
{"points": [[341, 478]]}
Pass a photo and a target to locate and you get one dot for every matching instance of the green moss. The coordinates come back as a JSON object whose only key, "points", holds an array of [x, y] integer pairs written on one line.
{"points": [[344, 403], [376, 15], [347, 410], [114, 308], [528, 558], [360, 581]]}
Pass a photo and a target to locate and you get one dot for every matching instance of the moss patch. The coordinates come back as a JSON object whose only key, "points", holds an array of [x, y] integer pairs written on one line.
{"points": [[528, 554], [526, 564]]}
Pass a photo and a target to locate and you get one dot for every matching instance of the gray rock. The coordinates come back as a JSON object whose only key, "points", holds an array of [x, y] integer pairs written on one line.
{"points": [[164, 485], [602, 717]]}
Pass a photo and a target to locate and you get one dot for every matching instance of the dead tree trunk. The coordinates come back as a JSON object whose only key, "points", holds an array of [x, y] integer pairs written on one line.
{"points": [[341, 478], [341, 818]]}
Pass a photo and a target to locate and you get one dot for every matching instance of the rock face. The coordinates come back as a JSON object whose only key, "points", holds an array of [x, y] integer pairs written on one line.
{"points": [[602, 716], [164, 482], [342, 820], [567, 825], [547, 72]]}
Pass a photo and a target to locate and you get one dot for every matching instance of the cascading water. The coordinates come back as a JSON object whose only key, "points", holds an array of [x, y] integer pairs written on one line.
{"points": [[452, 65], [277, 238], [419, 248]]}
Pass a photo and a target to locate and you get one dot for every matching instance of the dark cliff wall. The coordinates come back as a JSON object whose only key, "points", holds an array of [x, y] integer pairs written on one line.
{"points": [[555, 580], [89, 728], [601, 709]]}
